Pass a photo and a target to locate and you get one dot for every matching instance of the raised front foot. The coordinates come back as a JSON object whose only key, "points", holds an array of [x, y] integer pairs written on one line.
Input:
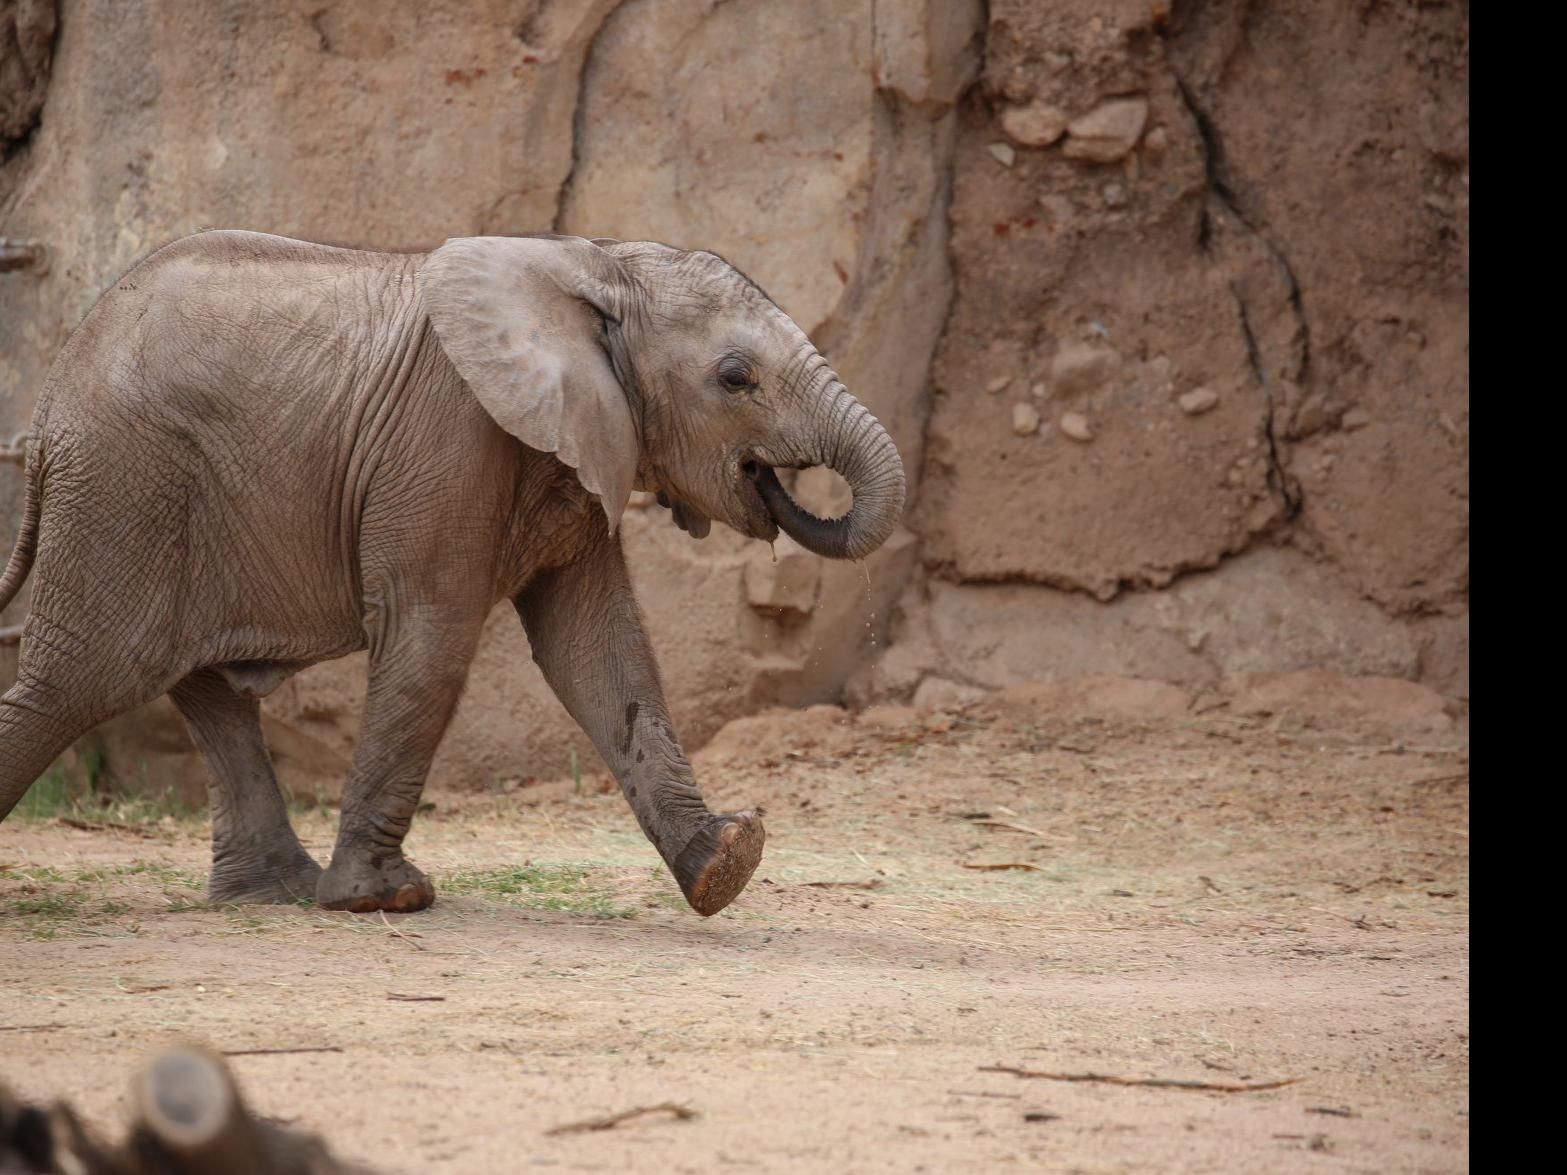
{"points": [[714, 867], [281, 878], [365, 884]]}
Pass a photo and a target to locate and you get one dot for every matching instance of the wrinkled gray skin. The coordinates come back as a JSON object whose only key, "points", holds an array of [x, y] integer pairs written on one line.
{"points": [[256, 454]]}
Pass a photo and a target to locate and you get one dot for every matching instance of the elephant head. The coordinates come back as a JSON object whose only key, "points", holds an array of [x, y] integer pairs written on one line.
{"points": [[638, 364]]}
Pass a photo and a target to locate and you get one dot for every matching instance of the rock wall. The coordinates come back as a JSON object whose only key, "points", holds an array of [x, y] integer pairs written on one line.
{"points": [[1207, 363], [1165, 307]]}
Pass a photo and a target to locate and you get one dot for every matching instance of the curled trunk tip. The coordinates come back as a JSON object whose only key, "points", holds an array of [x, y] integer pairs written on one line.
{"points": [[861, 452]]}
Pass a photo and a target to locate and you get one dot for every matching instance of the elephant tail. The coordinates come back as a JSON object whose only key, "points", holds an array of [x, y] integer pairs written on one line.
{"points": [[26, 542]]}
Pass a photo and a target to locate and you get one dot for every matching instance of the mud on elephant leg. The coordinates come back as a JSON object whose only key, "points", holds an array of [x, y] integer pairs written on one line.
{"points": [[361, 881], [256, 856], [589, 641], [715, 866]]}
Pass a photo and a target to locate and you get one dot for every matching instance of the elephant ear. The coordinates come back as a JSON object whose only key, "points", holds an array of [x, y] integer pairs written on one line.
{"points": [[521, 318]]}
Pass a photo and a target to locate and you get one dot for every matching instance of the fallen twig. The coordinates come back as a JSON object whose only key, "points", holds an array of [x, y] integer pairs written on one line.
{"points": [[409, 938], [319, 1048], [1000, 865], [984, 1093], [105, 826], [414, 999], [871, 883], [30, 1027], [1015, 827], [609, 1121], [1153, 1082], [1432, 780], [1360, 922]]}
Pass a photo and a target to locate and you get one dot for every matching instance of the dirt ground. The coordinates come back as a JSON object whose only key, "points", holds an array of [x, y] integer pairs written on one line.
{"points": [[1254, 884]]}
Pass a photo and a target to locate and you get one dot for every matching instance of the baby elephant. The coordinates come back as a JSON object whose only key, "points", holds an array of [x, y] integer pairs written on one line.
{"points": [[256, 453]]}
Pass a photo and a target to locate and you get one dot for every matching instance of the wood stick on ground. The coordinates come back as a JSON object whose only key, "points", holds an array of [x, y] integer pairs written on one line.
{"points": [[1430, 780], [318, 1048], [1000, 865], [30, 1027], [105, 826], [873, 883], [414, 999], [984, 1093], [1152, 1082], [408, 938], [1015, 827], [609, 1121]]}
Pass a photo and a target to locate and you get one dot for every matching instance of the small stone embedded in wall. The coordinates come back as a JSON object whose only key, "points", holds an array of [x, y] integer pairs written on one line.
{"points": [[1004, 154], [1355, 418], [1036, 125], [1157, 372], [1114, 195], [1075, 425], [998, 385], [1025, 419], [1157, 140], [1108, 132], [1080, 368], [1198, 400], [1313, 415]]}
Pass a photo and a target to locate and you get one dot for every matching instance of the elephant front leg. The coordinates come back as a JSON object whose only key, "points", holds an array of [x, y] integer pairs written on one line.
{"points": [[588, 639], [413, 690]]}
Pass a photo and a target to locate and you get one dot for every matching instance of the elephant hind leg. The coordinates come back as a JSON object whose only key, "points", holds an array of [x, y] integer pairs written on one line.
{"points": [[77, 669], [256, 856], [34, 732]]}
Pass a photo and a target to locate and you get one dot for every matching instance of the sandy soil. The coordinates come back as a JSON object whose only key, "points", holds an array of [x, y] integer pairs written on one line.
{"points": [[1215, 893]]}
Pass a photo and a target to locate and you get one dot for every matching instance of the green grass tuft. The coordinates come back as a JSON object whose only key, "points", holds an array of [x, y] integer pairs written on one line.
{"points": [[44, 901], [565, 888]]}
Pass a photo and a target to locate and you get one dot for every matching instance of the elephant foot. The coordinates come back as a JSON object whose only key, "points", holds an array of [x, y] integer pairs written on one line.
{"points": [[279, 879], [714, 867], [365, 885]]}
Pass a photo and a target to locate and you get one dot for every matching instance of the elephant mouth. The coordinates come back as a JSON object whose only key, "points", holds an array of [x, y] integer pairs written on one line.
{"points": [[760, 523]]}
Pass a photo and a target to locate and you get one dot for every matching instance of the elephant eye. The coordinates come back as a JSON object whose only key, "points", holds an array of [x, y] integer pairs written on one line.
{"points": [[735, 375]]}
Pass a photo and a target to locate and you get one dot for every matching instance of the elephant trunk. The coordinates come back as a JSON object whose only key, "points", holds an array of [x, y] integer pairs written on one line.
{"points": [[856, 447]]}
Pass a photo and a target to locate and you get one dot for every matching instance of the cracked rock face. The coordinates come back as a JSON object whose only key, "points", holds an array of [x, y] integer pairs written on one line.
{"points": [[1363, 207], [1282, 258]]}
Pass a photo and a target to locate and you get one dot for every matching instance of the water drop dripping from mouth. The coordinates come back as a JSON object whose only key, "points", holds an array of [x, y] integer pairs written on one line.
{"points": [[773, 547], [870, 624]]}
